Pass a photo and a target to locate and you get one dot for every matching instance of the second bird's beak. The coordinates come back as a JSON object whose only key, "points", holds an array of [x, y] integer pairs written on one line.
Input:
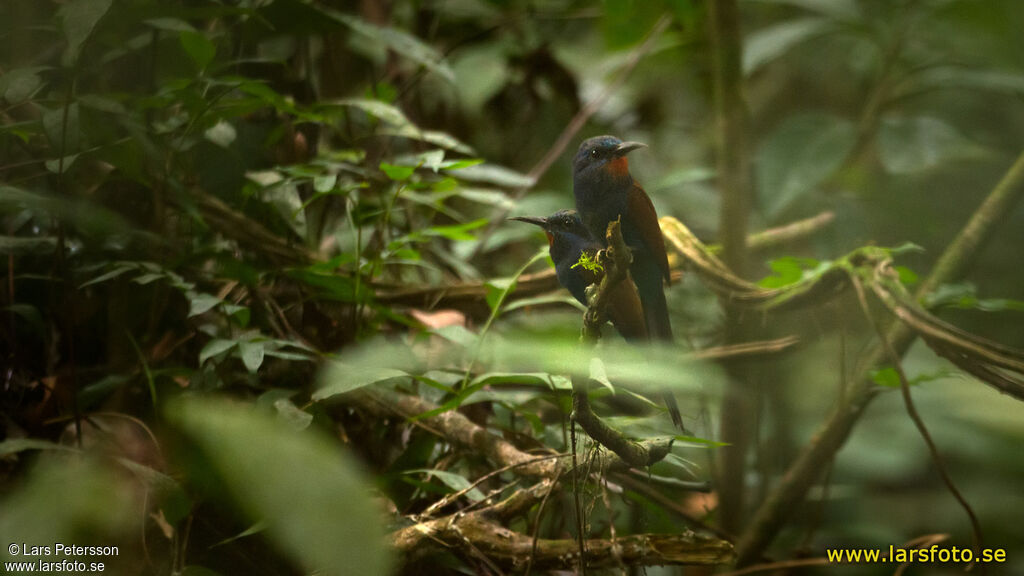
{"points": [[627, 147], [542, 222]]}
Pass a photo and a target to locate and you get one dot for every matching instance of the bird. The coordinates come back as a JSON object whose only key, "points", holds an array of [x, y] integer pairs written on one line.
{"points": [[568, 238], [604, 190]]}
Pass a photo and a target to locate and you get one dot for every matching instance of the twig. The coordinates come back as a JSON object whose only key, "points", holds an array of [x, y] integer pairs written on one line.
{"points": [[802, 473], [919, 422], [616, 260]]}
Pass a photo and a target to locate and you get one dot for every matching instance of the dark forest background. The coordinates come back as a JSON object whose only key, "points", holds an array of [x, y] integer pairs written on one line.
{"points": [[262, 311]]}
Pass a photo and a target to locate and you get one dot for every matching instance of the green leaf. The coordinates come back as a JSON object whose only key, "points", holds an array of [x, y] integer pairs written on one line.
{"points": [[62, 499], [769, 43], [798, 156], [914, 144], [251, 353], [400, 42], [62, 137], [201, 303], [79, 19], [456, 231], [198, 47], [296, 419], [18, 85], [452, 480], [398, 173], [324, 184], [599, 374], [380, 110], [497, 289], [788, 270], [339, 378], [886, 377], [215, 347], [315, 502], [497, 175]]}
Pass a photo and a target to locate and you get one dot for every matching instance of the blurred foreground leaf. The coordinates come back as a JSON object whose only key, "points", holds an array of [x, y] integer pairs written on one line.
{"points": [[315, 503]]}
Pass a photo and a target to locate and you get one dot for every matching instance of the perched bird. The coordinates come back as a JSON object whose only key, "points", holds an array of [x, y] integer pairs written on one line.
{"points": [[605, 190], [567, 239]]}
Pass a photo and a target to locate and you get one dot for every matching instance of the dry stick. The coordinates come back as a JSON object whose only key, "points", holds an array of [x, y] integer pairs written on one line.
{"points": [[462, 295], [908, 401], [574, 126], [536, 525], [805, 470], [736, 190]]}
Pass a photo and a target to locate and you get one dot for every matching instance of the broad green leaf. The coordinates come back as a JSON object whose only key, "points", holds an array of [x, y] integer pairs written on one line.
{"points": [[251, 353], [398, 173], [452, 480], [201, 303], [497, 175], [324, 184], [198, 47], [402, 43], [380, 110], [313, 498], [798, 156], [497, 289], [599, 374], [215, 347], [767, 44], [339, 378], [788, 270], [20, 84], [297, 419], [912, 144], [79, 19], [63, 133]]}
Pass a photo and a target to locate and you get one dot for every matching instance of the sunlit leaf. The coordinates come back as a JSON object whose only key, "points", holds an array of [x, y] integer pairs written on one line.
{"points": [[338, 378], [397, 172], [215, 347], [251, 353]]}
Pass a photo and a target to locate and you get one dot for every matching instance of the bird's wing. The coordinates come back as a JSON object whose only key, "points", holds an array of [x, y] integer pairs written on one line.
{"points": [[626, 312], [642, 213]]}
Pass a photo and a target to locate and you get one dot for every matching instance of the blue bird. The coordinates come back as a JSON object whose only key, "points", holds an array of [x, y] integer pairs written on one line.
{"points": [[568, 238], [605, 190]]}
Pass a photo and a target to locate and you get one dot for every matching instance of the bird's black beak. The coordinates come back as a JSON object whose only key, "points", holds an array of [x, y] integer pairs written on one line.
{"points": [[627, 147], [542, 222]]}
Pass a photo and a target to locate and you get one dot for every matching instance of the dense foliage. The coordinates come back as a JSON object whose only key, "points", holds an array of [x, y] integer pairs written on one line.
{"points": [[262, 310]]}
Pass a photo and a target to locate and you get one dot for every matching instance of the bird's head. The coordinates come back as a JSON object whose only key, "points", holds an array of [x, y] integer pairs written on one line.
{"points": [[562, 227], [604, 155]]}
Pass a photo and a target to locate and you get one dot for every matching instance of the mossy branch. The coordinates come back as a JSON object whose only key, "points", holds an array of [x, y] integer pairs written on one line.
{"points": [[616, 260]]}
